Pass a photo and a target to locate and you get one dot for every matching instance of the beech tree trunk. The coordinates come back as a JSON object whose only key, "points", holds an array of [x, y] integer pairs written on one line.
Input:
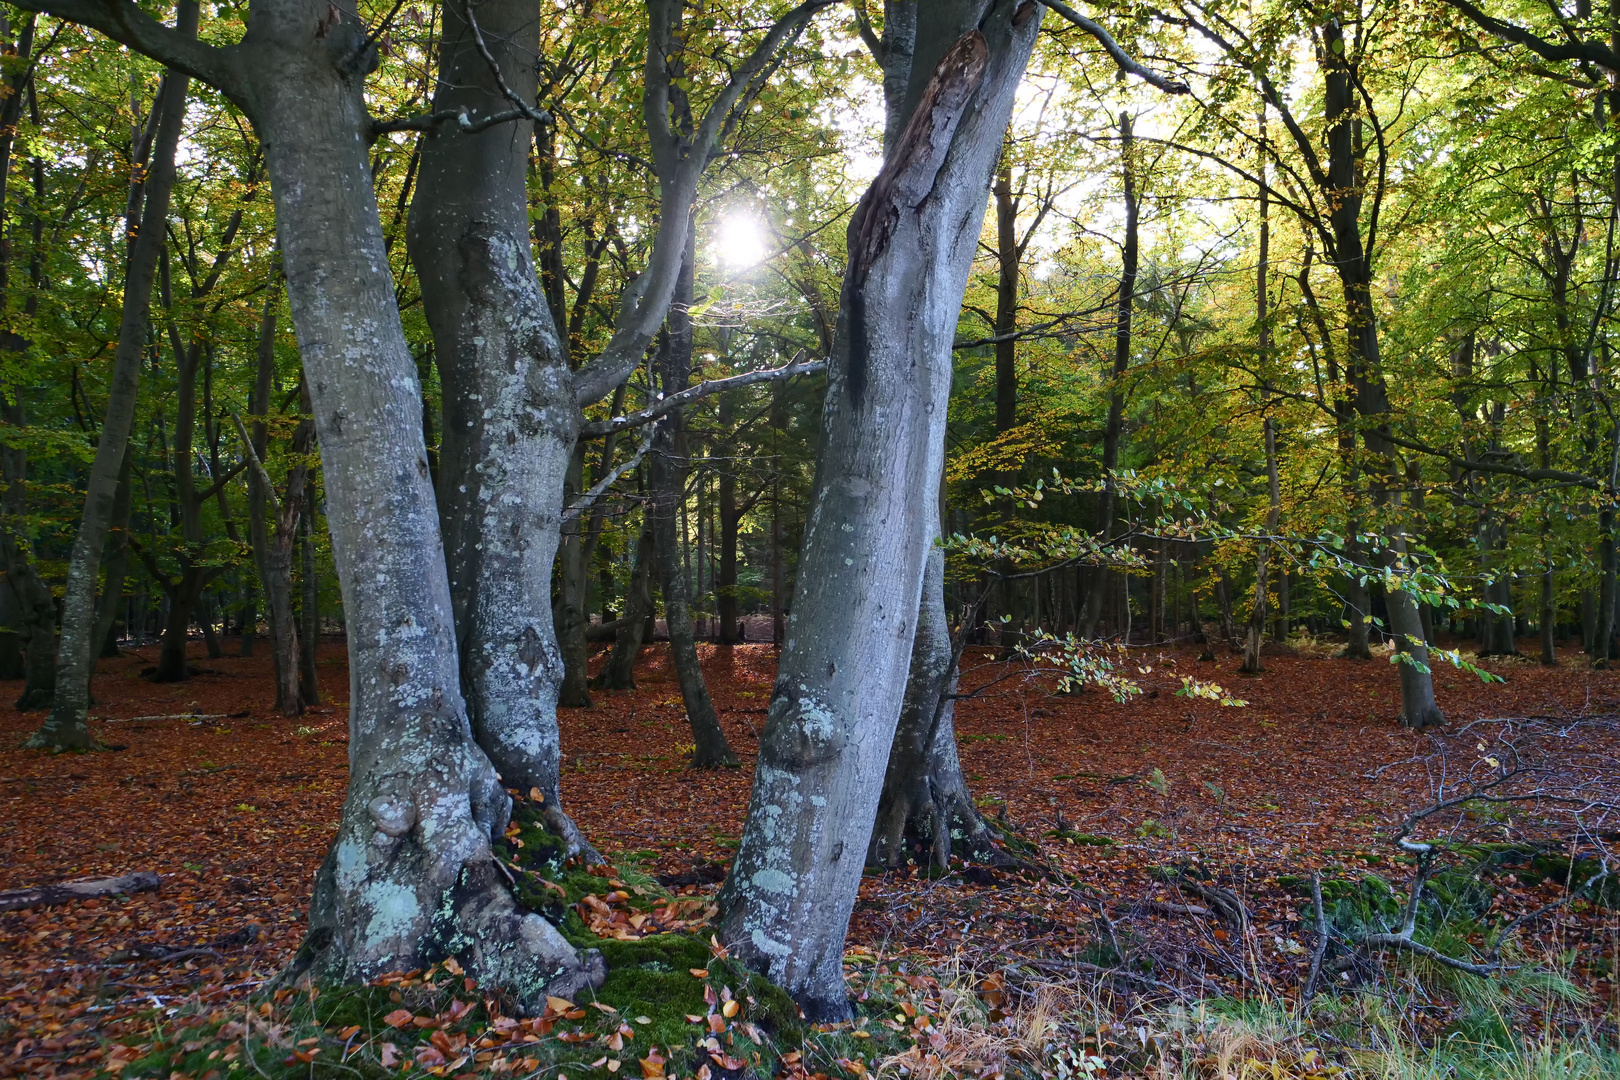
{"points": [[410, 876], [510, 420], [926, 812], [840, 682], [1371, 395], [569, 616], [110, 607], [620, 672], [667, 475], [1113, 432], [67, 726], [1258, 613], [309, 636], [274, 542]]}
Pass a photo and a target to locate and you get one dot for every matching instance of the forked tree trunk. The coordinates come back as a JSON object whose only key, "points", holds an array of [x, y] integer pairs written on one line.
{"points": [[926, 812], [841, 679], [510, 419], [410, 876], [67, 726]]}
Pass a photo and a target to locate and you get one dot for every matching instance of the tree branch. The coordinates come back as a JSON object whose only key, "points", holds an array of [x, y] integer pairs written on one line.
{"points": [[584, 502], [1125, 61], [1582, 51], [701, 390], [125, 23]]}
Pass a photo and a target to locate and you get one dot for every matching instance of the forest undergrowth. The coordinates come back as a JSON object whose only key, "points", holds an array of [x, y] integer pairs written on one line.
{"points": [[1165, 928]]}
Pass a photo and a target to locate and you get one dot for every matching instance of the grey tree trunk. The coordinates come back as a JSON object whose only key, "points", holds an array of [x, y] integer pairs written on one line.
{"points": [[840, 682], [274, 540], [569, 616], [509, 418], [926, 812], [1371, 395], [309, 636], [110, 607], [67, 726], [667, 480], [410, 876], [619, 674], [1102, 577]]}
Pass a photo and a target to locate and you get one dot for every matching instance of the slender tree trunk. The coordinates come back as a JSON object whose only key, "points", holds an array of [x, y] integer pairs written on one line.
{"points": [[110, 608], [309, 635], [274, 541], [1114, 430], [67, 726], [667, 475], [725, 587], [1418, 708], [619, 674], [573, 582], [1258, 614], [841, 679]]}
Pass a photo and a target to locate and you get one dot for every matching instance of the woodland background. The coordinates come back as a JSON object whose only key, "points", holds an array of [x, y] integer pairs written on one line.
{"points": [[1169, 551]]}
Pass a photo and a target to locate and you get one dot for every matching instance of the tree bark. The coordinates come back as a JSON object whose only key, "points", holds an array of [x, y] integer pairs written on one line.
{"points": [[309, 608], [667, 476], [926, 812], [509, 417], [110, 607], [1371, 395], [273, 550], [836, 704], [1258, 613], [1114, 429], [573, 582], [410, 877], [619, 673], [67, 726]]}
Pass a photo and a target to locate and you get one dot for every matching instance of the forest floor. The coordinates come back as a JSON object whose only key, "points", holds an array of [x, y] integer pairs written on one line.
{"points": [[234, 807]]}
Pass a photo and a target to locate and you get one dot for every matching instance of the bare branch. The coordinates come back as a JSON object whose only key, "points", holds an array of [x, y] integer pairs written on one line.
{"points": [[1125, 61], [125, 23], [1582, 51], [585, 500], [701, 390], [258, 466]]}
